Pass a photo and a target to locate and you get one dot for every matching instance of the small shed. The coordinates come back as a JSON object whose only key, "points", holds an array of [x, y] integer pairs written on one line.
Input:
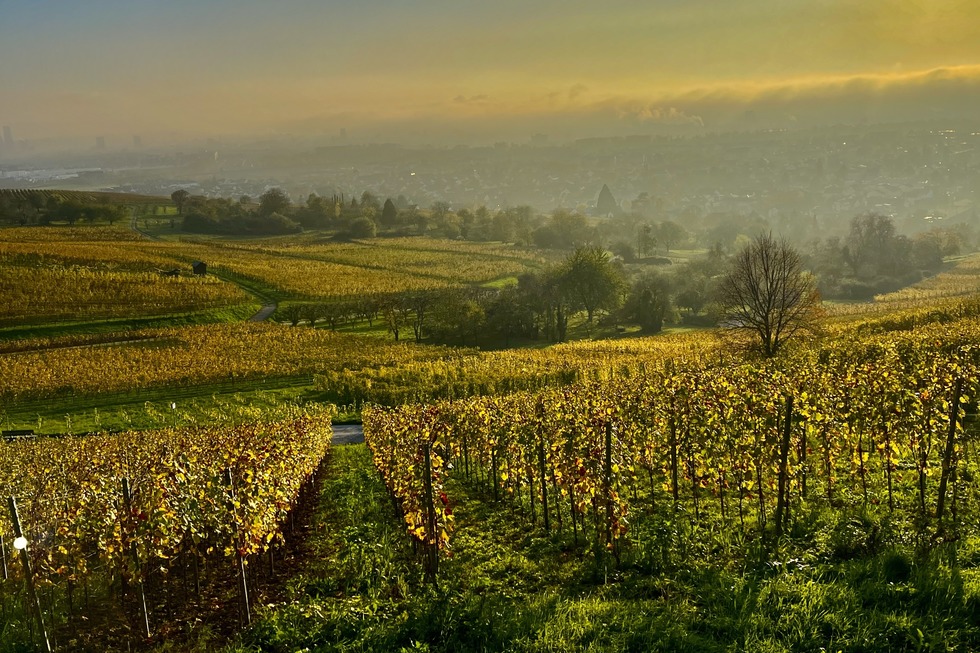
{"points": [[199, 267]]}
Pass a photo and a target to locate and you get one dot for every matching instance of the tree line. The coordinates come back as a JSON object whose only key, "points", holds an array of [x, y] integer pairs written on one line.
{"points": [[588, 282], [366, 216], [42, 208], [874, 258]]}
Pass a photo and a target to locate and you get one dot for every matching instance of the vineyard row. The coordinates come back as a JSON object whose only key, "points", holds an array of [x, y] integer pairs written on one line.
{"points": [[857, 425]]}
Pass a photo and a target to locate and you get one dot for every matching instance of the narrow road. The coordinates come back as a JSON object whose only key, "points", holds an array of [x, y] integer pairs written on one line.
{"points": [[269, 305], [347, 434], [264, 312]]}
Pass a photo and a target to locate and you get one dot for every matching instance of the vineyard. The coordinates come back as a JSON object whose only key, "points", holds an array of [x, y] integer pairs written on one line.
{"points": [[343, 270], [49, 274], [34, 293], [117, 522], [52, 273], [959, 281], [193, 356], [866, 441], [577, 488]]}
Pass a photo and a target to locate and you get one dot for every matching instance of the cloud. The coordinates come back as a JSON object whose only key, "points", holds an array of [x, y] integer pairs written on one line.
{"points": [[651, 113], [842, 86], [937, 94], [949, 92], [510, 109], [577, 90], [473, 99]]}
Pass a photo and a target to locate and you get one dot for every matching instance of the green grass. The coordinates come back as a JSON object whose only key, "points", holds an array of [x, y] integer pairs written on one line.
{"points": [[503, 282], [511, 588]]}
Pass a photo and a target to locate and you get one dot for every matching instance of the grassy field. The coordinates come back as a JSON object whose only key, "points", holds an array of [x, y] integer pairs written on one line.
{"points": [[506, 589]]}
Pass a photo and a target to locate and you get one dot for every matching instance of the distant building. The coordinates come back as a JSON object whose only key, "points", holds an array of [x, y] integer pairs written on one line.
{"points": [[606, 204], [100, 143], [8, 136], [199, 267], [137, 141]]}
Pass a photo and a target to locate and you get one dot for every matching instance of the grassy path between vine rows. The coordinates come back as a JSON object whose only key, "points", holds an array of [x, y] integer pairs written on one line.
{"points": [[506, 590]]}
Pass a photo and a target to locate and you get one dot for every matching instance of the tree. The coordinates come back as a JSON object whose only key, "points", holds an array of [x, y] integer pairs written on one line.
{"points": [[564, 230], [420, 302], [510, 315], [363, 227], [592, 280], [871, 245], [669, 234], [624, 250], [370, 200], [646, 240], [395, 314], [768, 294], [294, 313], [113, 213], [179, 197], [649, 302], [457, 315], [38, 202], [389, 214], [274, 200], [504, 227], [547, 299], [693, 292]]}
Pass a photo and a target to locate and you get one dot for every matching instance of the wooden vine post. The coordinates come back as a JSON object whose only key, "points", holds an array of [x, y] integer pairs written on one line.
{"points": [[134, 554], [544, 486], [674, 490], [21, 543], [431, 544], [783, 481], [954, 418], [244, 609], [607, 489], [539, 412]]}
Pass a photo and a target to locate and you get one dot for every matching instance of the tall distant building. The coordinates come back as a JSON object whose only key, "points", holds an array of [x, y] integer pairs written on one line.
{"points": [[8, 136], [606, 204], [137, 141], [100, 142]]}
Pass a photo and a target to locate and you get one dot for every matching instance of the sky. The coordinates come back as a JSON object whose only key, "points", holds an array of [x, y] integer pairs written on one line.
{"points": [[462, 69]]}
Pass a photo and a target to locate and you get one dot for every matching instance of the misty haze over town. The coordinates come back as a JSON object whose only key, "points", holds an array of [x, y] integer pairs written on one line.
{"points": [[798, 114]]}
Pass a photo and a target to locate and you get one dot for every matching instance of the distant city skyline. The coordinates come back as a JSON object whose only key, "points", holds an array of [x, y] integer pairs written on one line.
{"points": [[469, 70]]}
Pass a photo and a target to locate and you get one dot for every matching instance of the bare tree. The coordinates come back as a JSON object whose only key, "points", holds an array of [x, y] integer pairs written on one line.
{"points": [[768, 294]]}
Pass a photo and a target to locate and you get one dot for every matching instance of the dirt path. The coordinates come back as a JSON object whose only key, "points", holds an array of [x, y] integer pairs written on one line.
{"points": [[347, 434], [264, 312]]}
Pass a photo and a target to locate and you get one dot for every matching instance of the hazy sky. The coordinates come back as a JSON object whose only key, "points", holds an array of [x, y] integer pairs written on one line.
{"points": [[72, 68]]}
